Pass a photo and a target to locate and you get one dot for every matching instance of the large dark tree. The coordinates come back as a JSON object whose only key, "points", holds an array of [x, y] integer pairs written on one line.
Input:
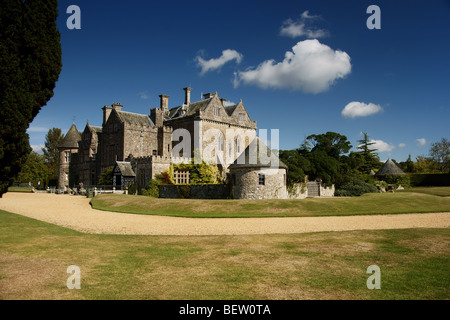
{"points": [[30, 63]]}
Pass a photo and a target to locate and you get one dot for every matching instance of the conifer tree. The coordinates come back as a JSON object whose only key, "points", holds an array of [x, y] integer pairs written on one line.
{"points": [[30, 63]]}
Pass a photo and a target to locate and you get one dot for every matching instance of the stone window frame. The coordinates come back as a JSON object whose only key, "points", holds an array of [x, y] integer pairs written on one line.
{"points": [[241, 116], [67, 156], [217, 111], [261, 179]]}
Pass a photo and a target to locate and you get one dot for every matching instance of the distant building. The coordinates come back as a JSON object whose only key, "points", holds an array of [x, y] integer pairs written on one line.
{"points": [[145, 145]]}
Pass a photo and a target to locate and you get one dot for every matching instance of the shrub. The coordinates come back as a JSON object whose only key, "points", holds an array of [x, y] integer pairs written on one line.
{"points": [[354, 186], [132, 188], [152, 189], [397, 180]]}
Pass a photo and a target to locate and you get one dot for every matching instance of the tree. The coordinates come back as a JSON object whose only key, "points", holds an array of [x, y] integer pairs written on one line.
{"points": [[53, 138], [30, 63], [34, 169], [332, 143], [369, 157], [297, 165], [440, 152], [106, 177]]}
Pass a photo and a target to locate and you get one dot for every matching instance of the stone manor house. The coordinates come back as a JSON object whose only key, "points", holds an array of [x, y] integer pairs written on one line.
{"points": [[139, 146]]}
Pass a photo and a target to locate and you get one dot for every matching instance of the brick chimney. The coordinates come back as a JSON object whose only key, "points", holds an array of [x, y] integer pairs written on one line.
{"points": [[187, 95], [164, 103]]}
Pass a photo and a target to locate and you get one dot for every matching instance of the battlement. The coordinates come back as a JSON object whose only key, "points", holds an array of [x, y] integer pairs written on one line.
{"points": [[161, 159]]}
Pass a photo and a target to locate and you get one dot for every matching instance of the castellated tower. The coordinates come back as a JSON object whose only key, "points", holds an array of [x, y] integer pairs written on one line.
{"points": [[67, 149]]}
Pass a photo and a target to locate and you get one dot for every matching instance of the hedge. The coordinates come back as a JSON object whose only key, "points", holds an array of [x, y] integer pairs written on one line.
{"points": [[429, 179]]}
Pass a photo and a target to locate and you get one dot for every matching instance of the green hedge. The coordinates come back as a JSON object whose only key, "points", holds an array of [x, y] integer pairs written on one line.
{"points": [[430, 179]]}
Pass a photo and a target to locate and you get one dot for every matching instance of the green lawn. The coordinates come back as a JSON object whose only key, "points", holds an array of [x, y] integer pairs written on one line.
{"points": [[374, 203], [19, 189], [414, 264]]}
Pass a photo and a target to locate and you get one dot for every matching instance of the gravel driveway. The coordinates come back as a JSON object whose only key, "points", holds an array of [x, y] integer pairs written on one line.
{"points": [[75, 212]]}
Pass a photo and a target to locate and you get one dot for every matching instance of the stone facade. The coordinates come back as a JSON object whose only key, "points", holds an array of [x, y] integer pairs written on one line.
{"points": [[211, 129], [257, 183]]}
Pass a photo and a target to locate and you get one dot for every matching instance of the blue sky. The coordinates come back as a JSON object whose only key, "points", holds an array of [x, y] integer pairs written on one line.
{"points": [[296, 65]]}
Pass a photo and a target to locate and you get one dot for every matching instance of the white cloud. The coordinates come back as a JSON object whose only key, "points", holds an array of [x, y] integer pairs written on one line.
{"points": [[421, 142], [143, 95], [360, 109], [214, 64], [311, 67], [382, 146], [401, 145], [299, 28], [37, 148], [37, 129]]}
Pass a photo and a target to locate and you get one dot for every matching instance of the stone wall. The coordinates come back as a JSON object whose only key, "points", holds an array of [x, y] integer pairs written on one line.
{"points": [[298, 191], [326, 191], [206, 191], [246, 184]]}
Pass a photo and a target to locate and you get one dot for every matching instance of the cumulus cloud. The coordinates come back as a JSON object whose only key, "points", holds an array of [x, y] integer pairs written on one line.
{"points": [[311, 67], [217, 63], [421, 142], [302, 27], [401, 145], [37, 148], [382, 146], [360, 109]]}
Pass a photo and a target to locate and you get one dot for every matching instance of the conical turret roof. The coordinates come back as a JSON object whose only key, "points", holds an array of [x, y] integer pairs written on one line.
{"points": [[257, 155], [71, 138], [389, 167]]}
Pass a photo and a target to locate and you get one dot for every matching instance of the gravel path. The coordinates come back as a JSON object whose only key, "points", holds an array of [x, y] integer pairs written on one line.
{"points": [[75, 212]]}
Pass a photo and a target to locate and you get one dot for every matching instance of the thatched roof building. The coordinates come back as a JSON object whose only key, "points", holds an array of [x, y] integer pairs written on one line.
{"points": [[389, 168]]}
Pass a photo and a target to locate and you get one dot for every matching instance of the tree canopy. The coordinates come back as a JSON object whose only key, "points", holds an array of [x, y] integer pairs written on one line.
{"points": [[30, 63]]}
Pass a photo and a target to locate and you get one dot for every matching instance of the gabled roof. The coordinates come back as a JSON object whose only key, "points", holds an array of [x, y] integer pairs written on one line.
{"points": [[95, 129], [251, 157], [125, 168], [230, 109], [389, 167], [135, 118], [191, 109], [71, 138]]}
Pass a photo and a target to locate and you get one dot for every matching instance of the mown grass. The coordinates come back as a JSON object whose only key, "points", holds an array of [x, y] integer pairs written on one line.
{"points": [[414, 263], [374, 203], [20, 189]]}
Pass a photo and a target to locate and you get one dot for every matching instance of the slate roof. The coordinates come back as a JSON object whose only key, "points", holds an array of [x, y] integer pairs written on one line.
{"points": [[71, 138], [251, 157], [135, 118], [230, 109], [389, 167], [125, 168], [191, 109], [95, 129]]}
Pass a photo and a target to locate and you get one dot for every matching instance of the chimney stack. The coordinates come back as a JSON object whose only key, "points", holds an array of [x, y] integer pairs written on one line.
{"points": [[164, 103], [187, 95]]}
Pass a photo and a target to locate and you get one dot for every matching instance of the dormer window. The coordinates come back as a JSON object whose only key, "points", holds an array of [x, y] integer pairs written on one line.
{"points": [[241, 117], [216, 111]]}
